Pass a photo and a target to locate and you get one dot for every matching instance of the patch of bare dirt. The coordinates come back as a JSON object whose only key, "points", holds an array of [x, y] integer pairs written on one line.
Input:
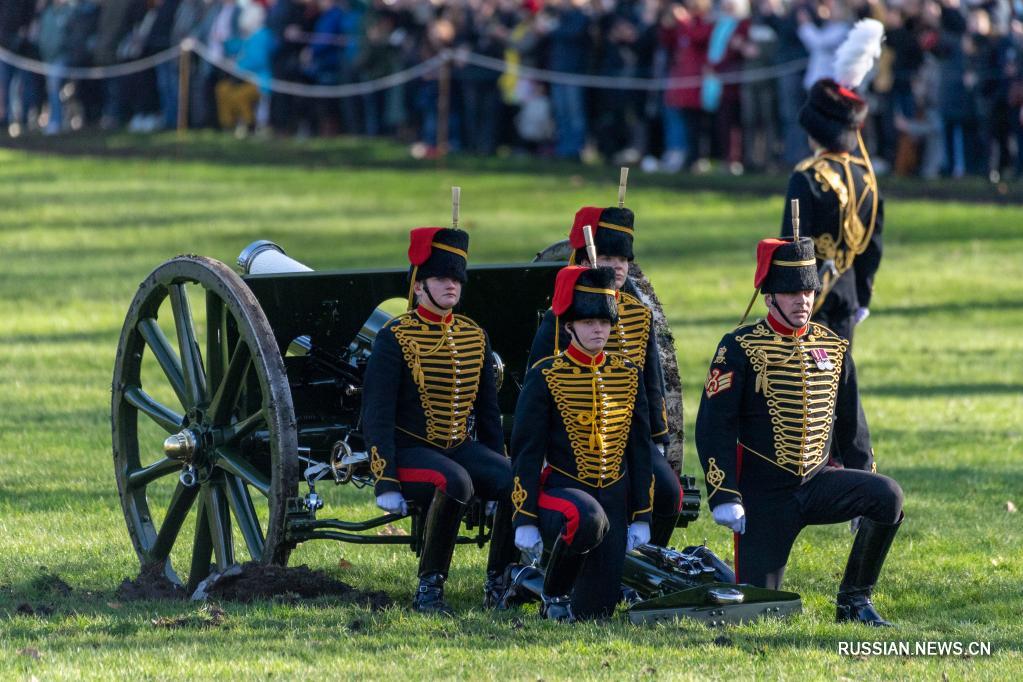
{"points": [[151, 583], [251, 581]]}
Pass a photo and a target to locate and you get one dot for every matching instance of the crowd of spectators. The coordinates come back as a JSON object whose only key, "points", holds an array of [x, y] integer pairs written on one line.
{"points": [[946, 96]]}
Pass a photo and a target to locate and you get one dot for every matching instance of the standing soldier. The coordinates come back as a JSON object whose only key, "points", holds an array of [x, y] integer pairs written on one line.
{"points": [[581, 452], [429, 377], [837, 189], [632, 335], [780, 401]]}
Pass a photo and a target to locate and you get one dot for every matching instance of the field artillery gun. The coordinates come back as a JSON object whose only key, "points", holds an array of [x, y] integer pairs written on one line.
{"points": [[253, 386]]}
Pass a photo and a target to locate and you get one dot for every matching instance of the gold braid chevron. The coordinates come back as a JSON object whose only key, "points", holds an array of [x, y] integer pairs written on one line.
{"points": [[630, 336], [716, 478], [595, 404], [853, 236], [447, 373], [800, 396]]}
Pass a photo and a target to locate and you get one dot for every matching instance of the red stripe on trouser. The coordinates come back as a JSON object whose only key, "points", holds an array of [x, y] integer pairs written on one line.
{"points": [[681, 494], [566, 509], [431, 476]]}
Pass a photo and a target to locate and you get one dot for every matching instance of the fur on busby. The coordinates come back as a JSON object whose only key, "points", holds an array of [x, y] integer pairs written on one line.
{"points": [[785, 266], [613, 230], [438, 252], [833, 112], [582, 293]]}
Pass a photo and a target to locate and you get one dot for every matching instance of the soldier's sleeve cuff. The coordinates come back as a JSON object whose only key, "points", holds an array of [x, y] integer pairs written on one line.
{"points": [[524, 518], [386, 485], [642, 515]]}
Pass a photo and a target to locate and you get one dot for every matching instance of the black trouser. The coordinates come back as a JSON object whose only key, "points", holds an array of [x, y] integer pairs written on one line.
{"points": [[774, 519], [463, 471], [667, 495], [593, 520]]}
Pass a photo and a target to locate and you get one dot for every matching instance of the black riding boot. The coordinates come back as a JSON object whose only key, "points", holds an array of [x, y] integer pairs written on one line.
{"points": [[502, 553], [865, 560], [661, 528], [443, 520], [563, 568]]}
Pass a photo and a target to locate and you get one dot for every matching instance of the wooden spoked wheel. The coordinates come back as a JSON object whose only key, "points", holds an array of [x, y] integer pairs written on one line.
{"points": [[203, 423]]}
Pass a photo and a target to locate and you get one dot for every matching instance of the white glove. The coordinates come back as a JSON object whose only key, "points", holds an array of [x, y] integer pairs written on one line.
{"points": [[663, 447], [490, 508], [854, 525], [860, 315], [393, 503], [527, 538], [730, 514], [639, 534]]}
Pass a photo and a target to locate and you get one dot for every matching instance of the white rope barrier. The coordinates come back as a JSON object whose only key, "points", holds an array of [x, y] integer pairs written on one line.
{"points": [[429, 66], [322, 91], [81, 73], [624, 82]]}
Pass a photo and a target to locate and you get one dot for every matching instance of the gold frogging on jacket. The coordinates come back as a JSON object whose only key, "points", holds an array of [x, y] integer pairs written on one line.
{"points": [[800, 395], [446, 362], [596, 405]]}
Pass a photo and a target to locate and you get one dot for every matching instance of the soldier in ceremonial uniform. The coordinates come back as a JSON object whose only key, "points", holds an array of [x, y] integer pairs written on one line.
{"points": [[633, 336], [429, 384], [581, 454], [783, 439]]}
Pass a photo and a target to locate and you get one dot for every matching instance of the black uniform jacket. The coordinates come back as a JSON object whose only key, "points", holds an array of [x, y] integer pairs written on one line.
{"points": [[776, 406], [586, 417], [837, 195], [633, 337], [427, 381]]}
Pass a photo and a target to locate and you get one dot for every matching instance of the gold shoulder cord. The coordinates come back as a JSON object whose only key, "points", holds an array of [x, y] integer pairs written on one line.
{"points": [[853, 236]]}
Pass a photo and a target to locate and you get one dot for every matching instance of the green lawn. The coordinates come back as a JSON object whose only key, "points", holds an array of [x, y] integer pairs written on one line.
{"points": [[939, 363]]}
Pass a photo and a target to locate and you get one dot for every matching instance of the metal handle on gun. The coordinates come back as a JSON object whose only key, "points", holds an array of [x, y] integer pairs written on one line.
{"points": [[591, 248], [623, 179]]}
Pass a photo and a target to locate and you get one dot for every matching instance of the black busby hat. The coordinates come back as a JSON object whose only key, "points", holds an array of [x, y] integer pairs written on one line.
{"points": [[832, 115], [582, 293], [438, 252], [785, 266], [613, 230]]}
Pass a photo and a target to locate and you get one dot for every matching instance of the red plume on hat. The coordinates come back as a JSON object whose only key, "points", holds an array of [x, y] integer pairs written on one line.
{"points": [[765, 252], [420, 244], [587, 215], [564, 287]]}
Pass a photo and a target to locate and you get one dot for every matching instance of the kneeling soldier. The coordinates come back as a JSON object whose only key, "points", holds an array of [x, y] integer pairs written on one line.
{"points": [[584, 412], [430, 374], [633, 336], [780, 401]]}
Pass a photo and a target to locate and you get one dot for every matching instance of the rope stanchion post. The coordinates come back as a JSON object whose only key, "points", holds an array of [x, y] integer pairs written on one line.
{"points": [[184, 86], [443, 107]]}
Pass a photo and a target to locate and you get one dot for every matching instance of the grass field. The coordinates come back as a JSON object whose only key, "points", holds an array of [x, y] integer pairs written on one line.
{"points": [[939, 363]]}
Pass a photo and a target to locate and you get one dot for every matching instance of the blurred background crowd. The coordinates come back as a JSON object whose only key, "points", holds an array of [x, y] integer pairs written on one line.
{"points": [[946, 96]]}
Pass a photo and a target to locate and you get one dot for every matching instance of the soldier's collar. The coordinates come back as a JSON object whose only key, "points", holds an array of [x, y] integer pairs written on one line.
{"points": [[581, 357], [430, 316], [784, 329]]}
